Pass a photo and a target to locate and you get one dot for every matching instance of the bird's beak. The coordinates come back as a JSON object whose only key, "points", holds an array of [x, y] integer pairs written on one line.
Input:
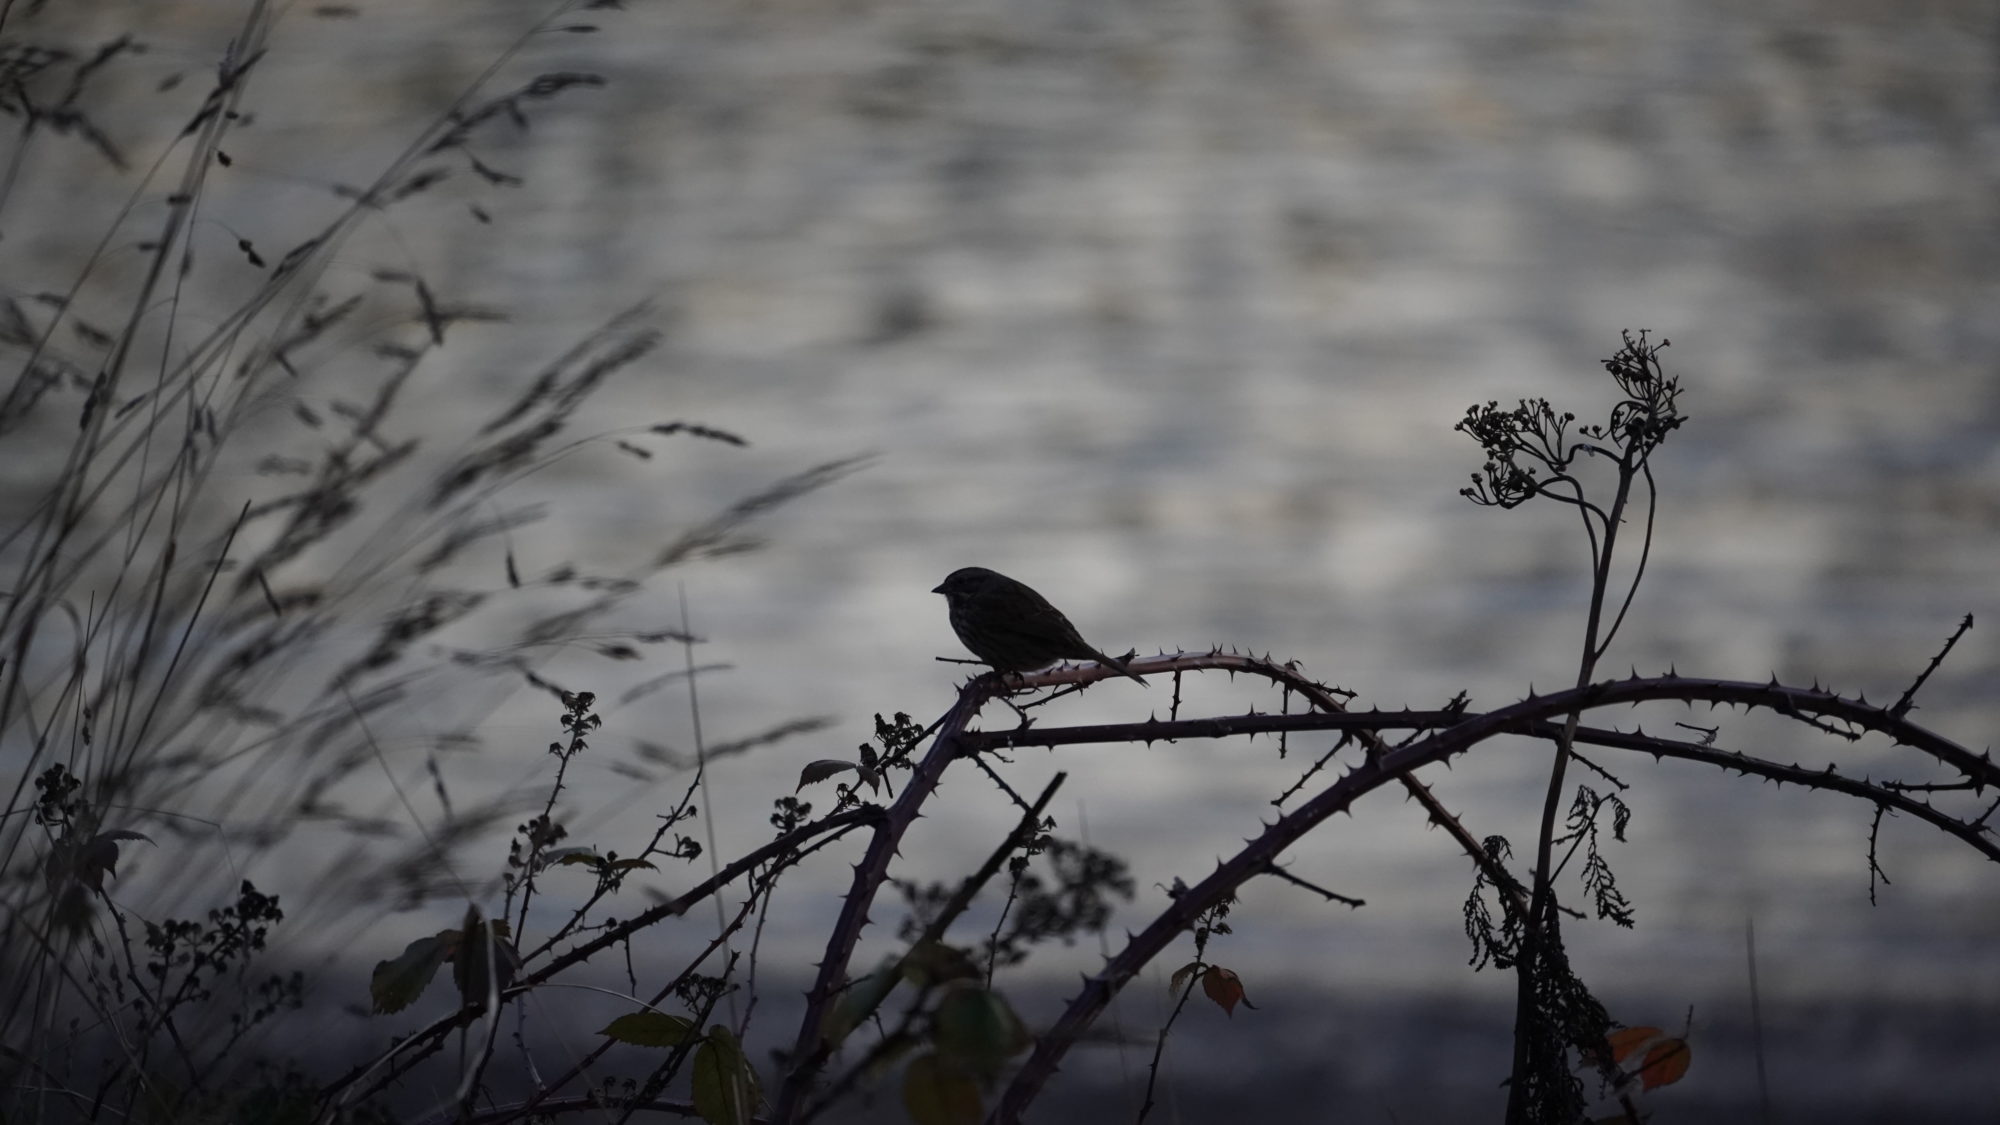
{"points": [[937, 589]]}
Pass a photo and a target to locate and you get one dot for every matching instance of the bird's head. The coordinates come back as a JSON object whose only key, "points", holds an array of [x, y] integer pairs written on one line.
{"points": [[966, 581]]}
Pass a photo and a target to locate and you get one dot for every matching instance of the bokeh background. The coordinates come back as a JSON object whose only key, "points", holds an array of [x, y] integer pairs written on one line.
{"points": [[1168, 309]]}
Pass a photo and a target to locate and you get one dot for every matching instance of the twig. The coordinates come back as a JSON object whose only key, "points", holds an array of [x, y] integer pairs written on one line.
{"points": [[1756, 1022], [1020, 802], [1312, 771], [1874, 840], [961, 899], [1160, 1041], [701, 766], [1597, 769], [1279, 872], [1908, 700]]}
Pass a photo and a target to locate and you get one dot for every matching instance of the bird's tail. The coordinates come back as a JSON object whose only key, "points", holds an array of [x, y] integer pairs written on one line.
{"points": [[1118, 666]]}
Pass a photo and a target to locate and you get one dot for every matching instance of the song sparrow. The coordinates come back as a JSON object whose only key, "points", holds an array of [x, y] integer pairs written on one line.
{"points": [[1009, 626]]}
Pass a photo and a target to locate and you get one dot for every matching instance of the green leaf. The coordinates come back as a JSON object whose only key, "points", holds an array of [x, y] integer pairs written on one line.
{"points": [[885, 1056], [934, 962], [938, 1093], [570, 857], [650, 1029], [482, 946], [821, 770], [89, 861], [397, 984], [858, 1002], [725, 1086], [977, 1029]]}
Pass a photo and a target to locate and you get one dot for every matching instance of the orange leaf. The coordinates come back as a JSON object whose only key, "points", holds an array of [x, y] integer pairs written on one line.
{"points": [[1666, 1063], [1627, 1040], [1222, 986]]}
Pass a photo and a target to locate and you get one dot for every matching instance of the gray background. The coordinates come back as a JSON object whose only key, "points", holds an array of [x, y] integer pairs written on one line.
{"points": [[1168, 309]]}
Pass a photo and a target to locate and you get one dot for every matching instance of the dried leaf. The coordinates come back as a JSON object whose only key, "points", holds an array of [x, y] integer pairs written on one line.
{"points": [[1666, 1063], [1626, 1040], [1222, 986]]}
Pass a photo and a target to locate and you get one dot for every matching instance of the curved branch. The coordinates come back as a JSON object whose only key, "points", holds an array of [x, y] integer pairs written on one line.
{"points": [[1220, 884], [584, 1103], [1806, 705], [1645, 554], [810, 1050], [1546, 488], [1532, 717], [1880, 795], [1326, 701]]}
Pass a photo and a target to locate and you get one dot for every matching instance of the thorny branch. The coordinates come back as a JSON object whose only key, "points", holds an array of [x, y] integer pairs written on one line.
{"points": [[1541, 717]]}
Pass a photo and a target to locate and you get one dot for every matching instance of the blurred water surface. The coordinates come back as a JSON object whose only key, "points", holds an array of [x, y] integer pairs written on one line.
{"points": [[1168, 309]]}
